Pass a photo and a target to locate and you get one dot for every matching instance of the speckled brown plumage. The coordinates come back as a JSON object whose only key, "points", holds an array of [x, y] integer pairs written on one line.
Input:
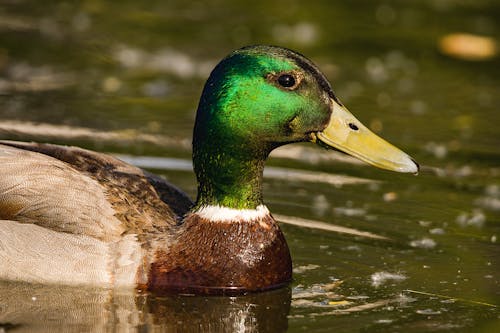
{"points": [[177, 200], [222, 258], [136, 202]]}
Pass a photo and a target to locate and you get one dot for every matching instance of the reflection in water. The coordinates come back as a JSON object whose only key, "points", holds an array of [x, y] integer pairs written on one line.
{"points": [[28, 308]]}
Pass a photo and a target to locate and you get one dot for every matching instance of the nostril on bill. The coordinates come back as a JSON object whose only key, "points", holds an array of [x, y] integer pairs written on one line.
{"points": [[353, 127]]}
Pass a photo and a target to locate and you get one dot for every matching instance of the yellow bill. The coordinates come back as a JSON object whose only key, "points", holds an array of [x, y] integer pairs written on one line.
{"points": [[344, 132]]}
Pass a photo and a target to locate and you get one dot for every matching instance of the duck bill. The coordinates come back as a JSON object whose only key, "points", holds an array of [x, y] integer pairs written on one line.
{"points": [[346, 133]]}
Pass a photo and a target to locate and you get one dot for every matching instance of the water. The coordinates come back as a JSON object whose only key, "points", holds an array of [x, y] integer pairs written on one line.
{"points": [[125, 78]]}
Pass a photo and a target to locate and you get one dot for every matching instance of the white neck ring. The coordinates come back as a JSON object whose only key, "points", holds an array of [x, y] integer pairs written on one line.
{"points": [[224, 214]]}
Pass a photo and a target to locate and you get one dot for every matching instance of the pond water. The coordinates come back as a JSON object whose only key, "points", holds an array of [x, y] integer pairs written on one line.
{"points": [[373, 251]]}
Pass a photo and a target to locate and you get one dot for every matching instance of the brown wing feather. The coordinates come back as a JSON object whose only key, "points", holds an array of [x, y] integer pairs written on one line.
{"points": [[38, 189], [132, 195], [177, 200]]}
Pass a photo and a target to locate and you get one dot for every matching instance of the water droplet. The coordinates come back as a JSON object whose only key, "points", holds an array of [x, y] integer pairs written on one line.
{"points": [[428, 312]]}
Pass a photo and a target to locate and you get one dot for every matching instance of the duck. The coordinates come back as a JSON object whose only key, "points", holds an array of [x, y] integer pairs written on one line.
{"points": [[72, 216]]}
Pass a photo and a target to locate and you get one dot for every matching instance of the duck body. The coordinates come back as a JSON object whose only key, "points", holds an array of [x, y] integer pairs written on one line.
{"points": [[146, 239], [77, 217]]}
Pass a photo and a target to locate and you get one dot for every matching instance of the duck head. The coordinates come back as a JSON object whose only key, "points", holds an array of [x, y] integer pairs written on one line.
{"points": [[259, 98]]}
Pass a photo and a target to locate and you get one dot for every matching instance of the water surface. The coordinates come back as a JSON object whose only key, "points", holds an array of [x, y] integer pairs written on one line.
{"points": [[125, 78]]}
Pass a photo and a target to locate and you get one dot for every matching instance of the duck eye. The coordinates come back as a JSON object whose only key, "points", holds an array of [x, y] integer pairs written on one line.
{"points": [[286, 80]]}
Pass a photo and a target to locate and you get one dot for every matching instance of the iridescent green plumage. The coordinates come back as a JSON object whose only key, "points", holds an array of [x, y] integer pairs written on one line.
{"points": [[243, 114]]}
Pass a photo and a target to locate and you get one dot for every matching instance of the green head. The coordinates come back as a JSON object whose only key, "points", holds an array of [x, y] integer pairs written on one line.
{"points": [[256, 99]]}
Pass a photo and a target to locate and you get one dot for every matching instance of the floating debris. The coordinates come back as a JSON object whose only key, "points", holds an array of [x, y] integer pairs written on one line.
{"points": [[476, 219], [437, 231], [306, 223], [317, 290], [353, 248], [23, 77], [164, 60], [376, 70], [357, 308], [424, 243], [320, 205], [348, 211], [390, 196], [357, 297], [111, 84], [304, 33], [320, 304], [318, 296], [425, 223], [493, 190], [488, 202], [418, 107], [17, 23], [156, 88], [304, 268], [449, 297], [437, 149], [339, 303], [380, 278], [428, 312], [26, 129], [332, 285], [81, 22]]}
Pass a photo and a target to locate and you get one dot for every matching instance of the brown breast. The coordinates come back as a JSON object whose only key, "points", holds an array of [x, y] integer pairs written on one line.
{"points": [[235, 257]]}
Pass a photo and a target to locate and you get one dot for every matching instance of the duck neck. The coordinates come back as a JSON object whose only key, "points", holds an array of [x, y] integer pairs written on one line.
{"points": [[228, 175], [228, 152]]}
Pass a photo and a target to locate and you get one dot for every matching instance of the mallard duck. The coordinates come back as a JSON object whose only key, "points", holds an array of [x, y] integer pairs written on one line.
{"points": [[76, 217]]}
